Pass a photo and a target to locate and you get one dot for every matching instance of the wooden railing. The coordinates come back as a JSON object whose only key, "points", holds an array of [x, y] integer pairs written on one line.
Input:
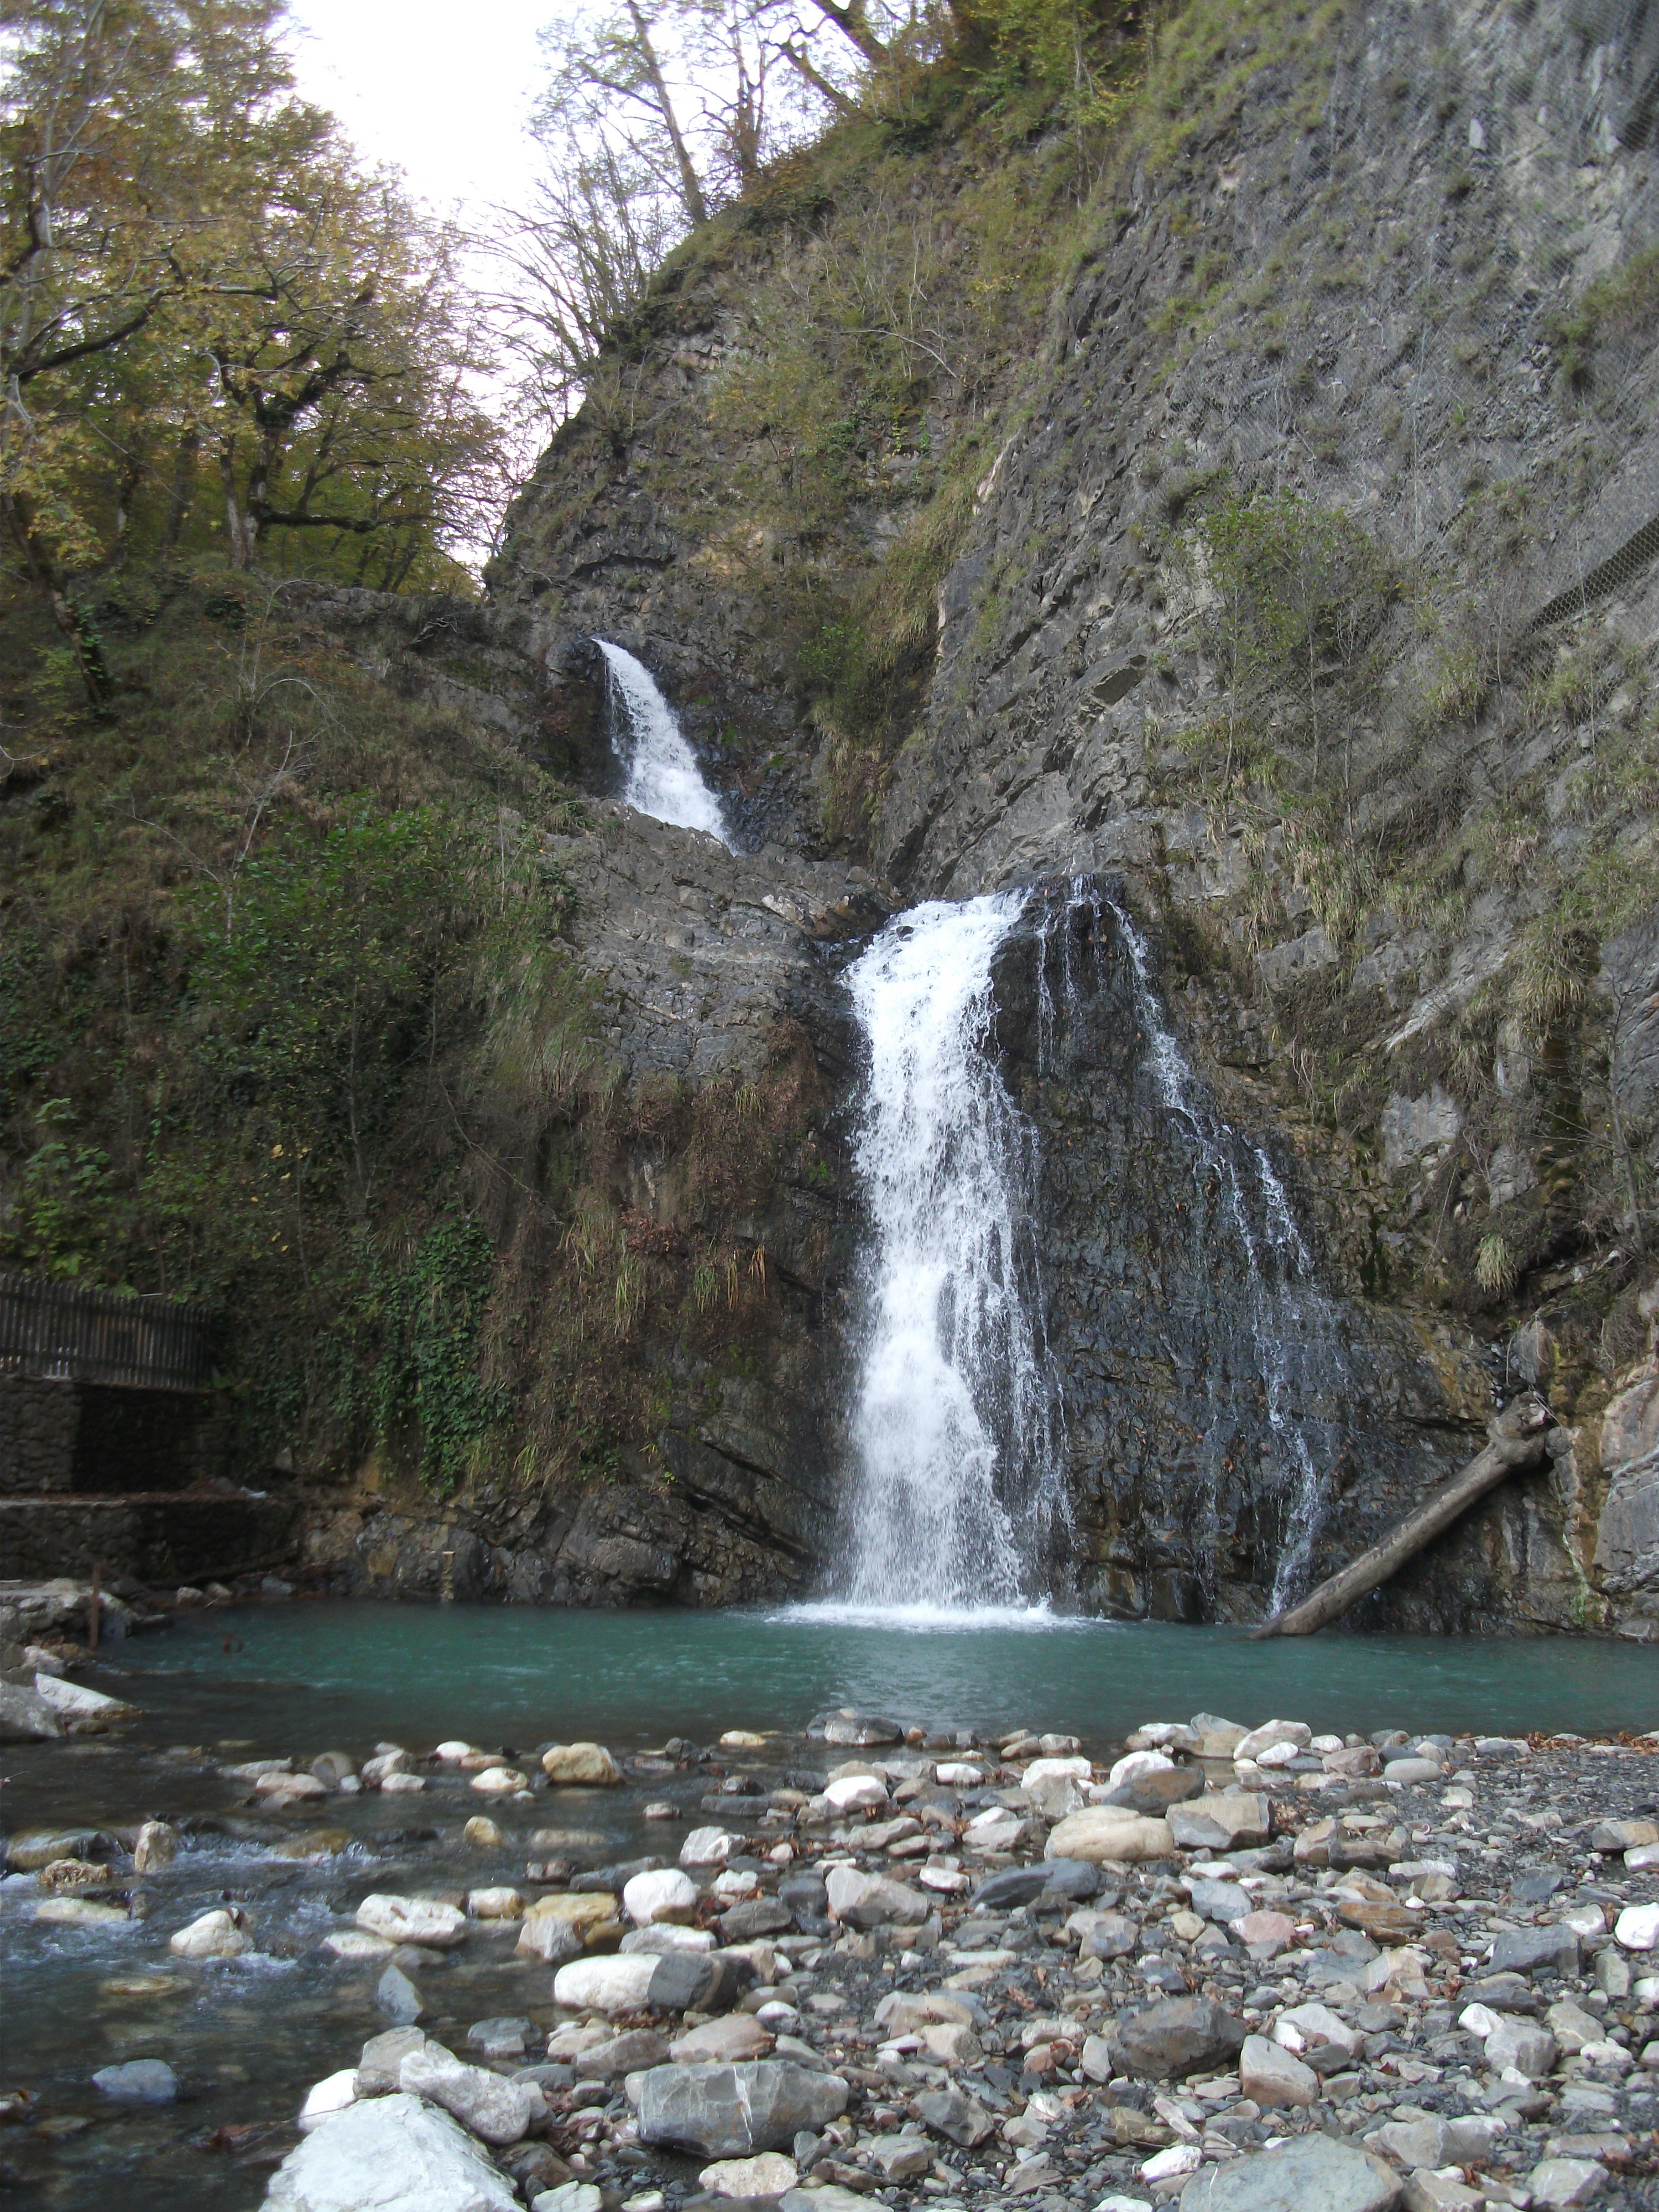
{"points": [[63, 1332]]}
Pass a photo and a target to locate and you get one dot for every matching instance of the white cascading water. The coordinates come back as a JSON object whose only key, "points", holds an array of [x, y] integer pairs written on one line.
{"points": [[664, 780], [955, 1421]]}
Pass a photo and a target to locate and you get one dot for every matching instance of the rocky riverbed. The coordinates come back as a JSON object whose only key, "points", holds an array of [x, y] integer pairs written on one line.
{"points": [[1224, 1969]]}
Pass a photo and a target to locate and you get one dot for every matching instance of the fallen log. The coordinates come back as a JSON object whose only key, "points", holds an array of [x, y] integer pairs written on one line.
{"points": [[1516, 1439]]}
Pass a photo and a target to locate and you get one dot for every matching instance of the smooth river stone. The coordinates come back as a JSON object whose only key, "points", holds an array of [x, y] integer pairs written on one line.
{"points": [[733, 2112], [667, 1895], [390, 2150], [1106, 1834], [423, 1920], [610, 1985], [585, 1765], [1313, 2173]]}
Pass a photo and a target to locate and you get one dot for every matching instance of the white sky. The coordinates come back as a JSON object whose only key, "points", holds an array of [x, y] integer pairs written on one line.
{"points": [[438, 87]]}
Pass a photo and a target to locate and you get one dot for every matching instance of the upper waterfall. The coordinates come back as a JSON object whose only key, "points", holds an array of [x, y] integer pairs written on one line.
{"points": [[664, 780], [955, 1417]]}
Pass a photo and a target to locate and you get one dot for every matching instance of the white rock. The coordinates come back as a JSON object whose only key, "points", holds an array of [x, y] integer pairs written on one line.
{"points": [[706, 1847], [456, 1749], [1637, 1926], [1057, 1786], [500, 1781], [1270, 1733], [1170, 2165], [1478, 2019], [212, 1936], [666, 1895], [667, 1935], [1314, 2024], [374, 1773], [392, 2154], [1134, 1764], [1277, 1755], [72, 1701], [959, 1774], [854, 1793], [412, 1920], [613, 1985], [399, 1785], [569, 2197], [497, 2110], [873, 1900], [332, 2095], [767, 2175], [355, 1943], [500, 1902]]}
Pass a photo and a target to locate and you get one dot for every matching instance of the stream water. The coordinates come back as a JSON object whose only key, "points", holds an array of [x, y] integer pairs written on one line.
{"points": [[248, 2037], [662, 778]]}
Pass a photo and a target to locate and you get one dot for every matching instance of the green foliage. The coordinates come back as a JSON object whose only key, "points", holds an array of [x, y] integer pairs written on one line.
{"points": [[1622, 304], [429, 1317]]}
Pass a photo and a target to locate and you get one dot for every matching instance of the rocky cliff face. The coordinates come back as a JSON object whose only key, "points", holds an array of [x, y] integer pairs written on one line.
{"points": [[1288, 576]]}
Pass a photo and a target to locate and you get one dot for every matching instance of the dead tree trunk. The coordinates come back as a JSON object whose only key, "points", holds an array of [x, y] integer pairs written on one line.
{"points": [[1517, 1439]]}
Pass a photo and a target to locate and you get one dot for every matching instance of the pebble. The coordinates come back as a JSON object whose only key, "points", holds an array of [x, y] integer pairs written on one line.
{"points": [[140, 2081]]}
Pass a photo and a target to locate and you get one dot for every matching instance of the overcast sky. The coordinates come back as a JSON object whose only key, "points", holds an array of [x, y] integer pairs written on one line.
{"points": [[440, 89]]}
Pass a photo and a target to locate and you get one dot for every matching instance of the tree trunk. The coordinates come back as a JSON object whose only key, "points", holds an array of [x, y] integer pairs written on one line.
{"points": [[690, 185], [183, 487], [799, 61], [1516, 1440]]}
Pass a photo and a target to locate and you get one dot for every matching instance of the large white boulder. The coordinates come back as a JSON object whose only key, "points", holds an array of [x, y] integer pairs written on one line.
{"points": [[424, 1920], [616, 1983], [217, 1935], [79, 1706], [389, 2154], [667, 1895]]}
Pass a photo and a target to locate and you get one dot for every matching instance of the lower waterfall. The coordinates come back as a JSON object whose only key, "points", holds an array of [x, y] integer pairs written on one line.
{"points": [[664, 780], [955, 1422]]}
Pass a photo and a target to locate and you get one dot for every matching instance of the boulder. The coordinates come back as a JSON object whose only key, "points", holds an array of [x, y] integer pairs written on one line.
{"points": [[855, 1793], [706, 1847], [326, 2098], [758, 1916], [584, 1765], [613, 1985], [1272, 2076], [1156, 1792], [1109, 1835], [860, 1731], [631, 2052], [498, 1904], [25, 1717], [397, 1996], [873, 1900], [155, 1845], [667, 1895], [1233, 1819], [1055, 1786], [77, 1707], [140, 2081], [549, 1937], [216, 1935], [381, 2057], [488, 2105], [1296, 1734], [1636, 1928], [769, 2175], [725, 2042], [395, 2153], [690, 1981], [1219, 1900], [733, 2112], [954, 2114], [1312, 2174], [1524, 1950], [1178, 2037], [1561, 2184], [423, 1920], [1106, 1935]]}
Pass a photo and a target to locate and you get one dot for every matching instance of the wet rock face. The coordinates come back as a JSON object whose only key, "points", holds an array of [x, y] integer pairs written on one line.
{"points": [[1192, 1352]]}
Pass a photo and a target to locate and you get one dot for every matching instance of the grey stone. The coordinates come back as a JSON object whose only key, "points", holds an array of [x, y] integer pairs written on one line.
{"points": [[498, 2109], [1219, 1900], [1178, 2037], [503, 2037], [1524, 1950], [1112, 1935], [755, 1917], [696, 1981], [730, 2112], [1156, 1792], [954, 2114], [381, 2057], [26, 1718], [397, 1996], [395, 2153], [140, 2081], [631, 2052], [859, 1731], [1313, 2173]]}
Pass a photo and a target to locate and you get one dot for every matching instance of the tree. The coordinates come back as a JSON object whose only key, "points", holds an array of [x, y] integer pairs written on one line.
{"points": [[608, 86]]}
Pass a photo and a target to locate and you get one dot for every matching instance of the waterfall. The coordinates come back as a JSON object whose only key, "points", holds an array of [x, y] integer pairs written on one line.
{"points": [[664, 780], [1286, 1310], [955, 1422]]}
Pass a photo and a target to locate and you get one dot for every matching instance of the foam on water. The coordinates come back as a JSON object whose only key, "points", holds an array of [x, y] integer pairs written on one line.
{"points": [[664, 780]]}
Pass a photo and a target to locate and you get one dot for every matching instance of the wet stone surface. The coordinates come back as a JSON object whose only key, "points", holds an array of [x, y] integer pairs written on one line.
{"points": [[1439, 1991]]}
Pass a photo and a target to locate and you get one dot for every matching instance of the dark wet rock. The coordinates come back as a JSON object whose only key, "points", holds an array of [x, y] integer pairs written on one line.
{"points": [[631, 2052], [756, 1916], [1525, 1950], [954, 2114], [1178, 2037], [694, 1981], [730, 2111], [861, 1730]]}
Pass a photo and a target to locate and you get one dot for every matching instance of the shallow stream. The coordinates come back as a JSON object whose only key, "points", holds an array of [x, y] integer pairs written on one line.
{"points": [[247, 2038]]}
